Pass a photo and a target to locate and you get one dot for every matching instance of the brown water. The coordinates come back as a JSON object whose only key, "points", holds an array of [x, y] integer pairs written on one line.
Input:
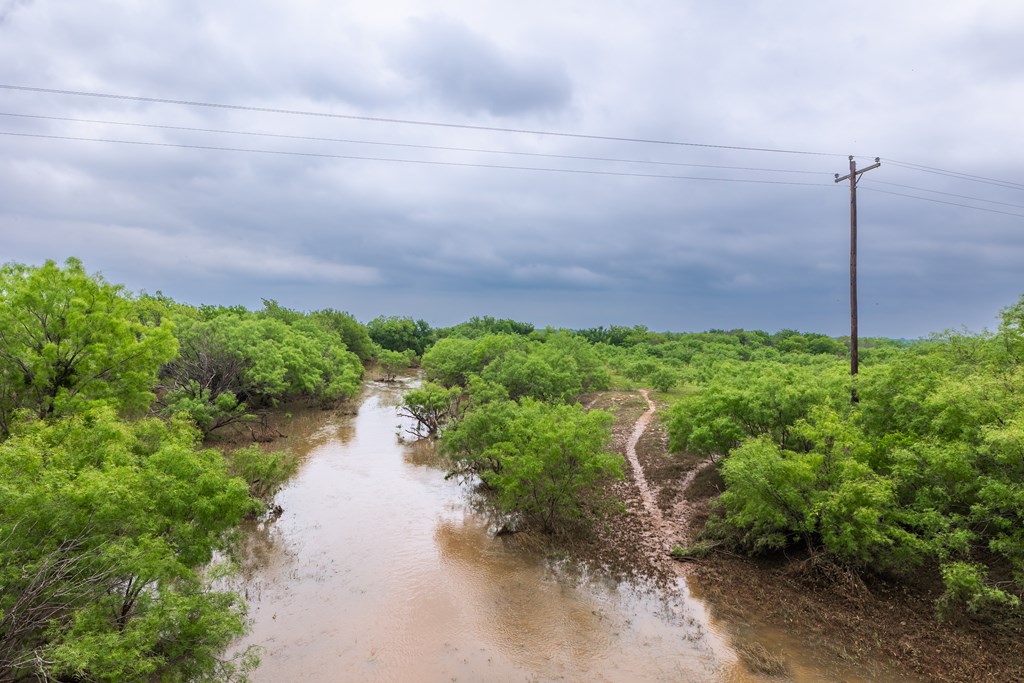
{"points": [[380, 570]]}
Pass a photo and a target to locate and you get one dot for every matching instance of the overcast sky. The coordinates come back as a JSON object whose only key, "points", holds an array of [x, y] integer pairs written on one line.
{"points": [[936, 83]]}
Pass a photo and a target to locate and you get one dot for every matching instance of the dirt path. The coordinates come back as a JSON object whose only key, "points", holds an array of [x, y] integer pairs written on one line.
{"points": [[663, 498], [673, 518], [648, 497]]}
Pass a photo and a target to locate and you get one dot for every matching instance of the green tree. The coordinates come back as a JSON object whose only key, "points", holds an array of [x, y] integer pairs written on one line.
{"points": [[664, 378], [827, 496], [531, 375], [478, 327], [396, 333], [231, 362], [393, 362], [105, 528], [264, 471], [452, 360], [68, 338], [351, 332], [433, 407], [542, 462], [762, 398]]}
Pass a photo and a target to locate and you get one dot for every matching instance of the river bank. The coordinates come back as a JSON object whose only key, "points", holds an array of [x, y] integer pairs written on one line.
{"points": [[381, 569], [874, 627]]}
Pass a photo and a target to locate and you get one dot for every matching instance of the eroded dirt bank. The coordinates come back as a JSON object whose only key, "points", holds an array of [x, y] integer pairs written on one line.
{"points": [[883, 630]]}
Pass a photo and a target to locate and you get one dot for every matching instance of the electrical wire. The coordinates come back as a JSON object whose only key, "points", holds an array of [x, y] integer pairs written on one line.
{"points": [[956, 174], [908, 165], [409, 145], [413, 122], [948, 194], [941, 201], [424, 162]]}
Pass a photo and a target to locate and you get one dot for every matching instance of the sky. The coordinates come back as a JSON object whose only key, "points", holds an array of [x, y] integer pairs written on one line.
{"points": [[589, 175]]}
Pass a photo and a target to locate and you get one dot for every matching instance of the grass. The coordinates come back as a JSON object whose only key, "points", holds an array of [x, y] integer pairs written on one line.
{"points": [[693, 551], [761, 660], [667, 399]]}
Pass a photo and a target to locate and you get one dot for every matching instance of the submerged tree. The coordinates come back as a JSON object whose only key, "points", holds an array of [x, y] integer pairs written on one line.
{"points": [[235, 361], [433, 407], [542, 462]]}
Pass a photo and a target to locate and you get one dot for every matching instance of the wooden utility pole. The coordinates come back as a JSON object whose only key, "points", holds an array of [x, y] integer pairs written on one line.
{"points": [[853, 177]]}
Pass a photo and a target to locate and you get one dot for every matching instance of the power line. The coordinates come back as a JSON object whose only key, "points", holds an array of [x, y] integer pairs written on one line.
{"points": [[413, 122], [941, 201], [961, 176], [408, 145], [424, 162], [948, 194]]}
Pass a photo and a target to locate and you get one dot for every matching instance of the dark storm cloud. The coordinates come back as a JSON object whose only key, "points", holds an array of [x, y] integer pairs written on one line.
{"points": [[451, 63], [936, 86]]}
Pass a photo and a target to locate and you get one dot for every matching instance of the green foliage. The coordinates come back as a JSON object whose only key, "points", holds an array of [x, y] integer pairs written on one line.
{"points": [[826, 494], [769, 494], [564, 349], [478, 327], [642, 368], [1011, 332], [68, 338], [468, 444], [558, 369], [393, 362], [105, 525], [539, 457], [617, 335], [532, 375], [926, 470], [264, 471], [967, 586], [231, 361], [754, 399], [693, 551], [541, 461], [433, 407], [354, 335], [664, 379], [400, 334], [206, 411], [153, 309], [452, 360]]}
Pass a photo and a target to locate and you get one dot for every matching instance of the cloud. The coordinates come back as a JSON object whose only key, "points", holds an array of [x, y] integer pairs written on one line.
{"points": [[188, 254], [937, 85], [9, 7], [449, 62]]}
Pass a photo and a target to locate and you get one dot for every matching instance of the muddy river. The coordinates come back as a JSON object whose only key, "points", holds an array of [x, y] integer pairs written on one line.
{"points": [[379, 569]]}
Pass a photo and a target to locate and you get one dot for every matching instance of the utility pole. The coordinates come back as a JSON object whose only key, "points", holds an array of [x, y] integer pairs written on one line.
{"points": [[853, 177]]}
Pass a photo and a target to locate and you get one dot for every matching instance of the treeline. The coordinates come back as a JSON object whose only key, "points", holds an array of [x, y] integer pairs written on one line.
{"points": [[231, 361], [111, 511], [924, 473], [503, 398], [922, 476]]}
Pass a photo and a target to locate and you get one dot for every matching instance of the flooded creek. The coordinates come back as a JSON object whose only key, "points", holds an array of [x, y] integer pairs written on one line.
{"points": [[379, 569]]}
